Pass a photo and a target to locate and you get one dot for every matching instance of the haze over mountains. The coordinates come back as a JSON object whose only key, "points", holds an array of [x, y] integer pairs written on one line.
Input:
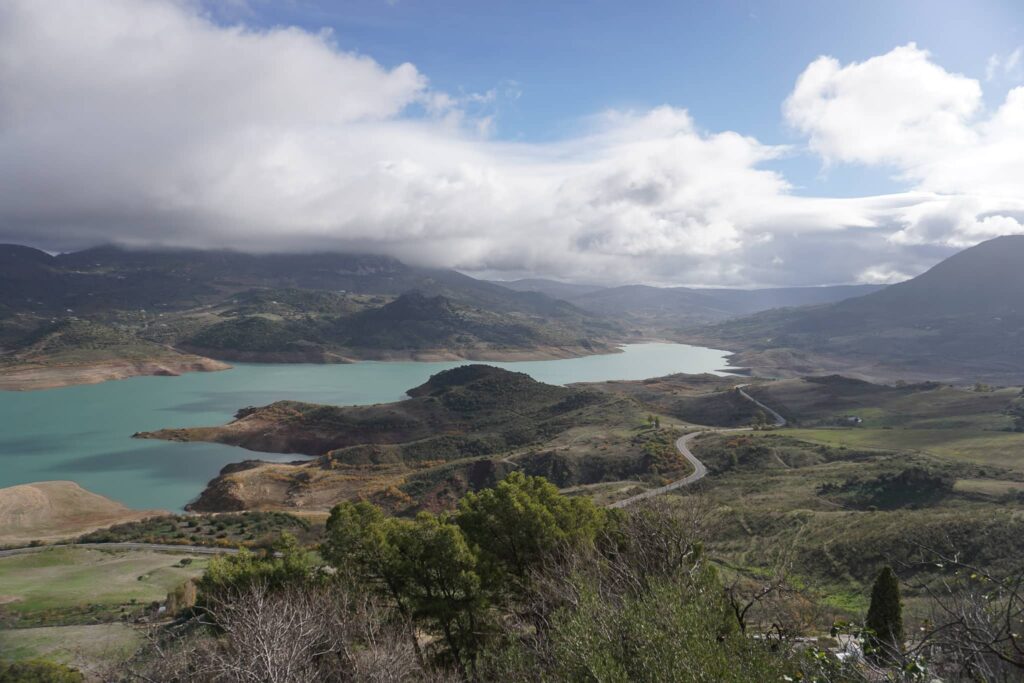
{"points": [[960, 321], [684, 306], [963, 320]]}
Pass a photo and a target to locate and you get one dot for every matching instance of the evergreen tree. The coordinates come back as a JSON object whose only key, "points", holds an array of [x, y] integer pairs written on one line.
{"points": [[885, 615]]}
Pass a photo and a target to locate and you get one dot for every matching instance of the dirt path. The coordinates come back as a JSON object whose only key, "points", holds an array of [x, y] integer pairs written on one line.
{"points": [[699, 470]]}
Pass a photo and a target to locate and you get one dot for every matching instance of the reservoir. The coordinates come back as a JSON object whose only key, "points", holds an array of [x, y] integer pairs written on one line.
{"points": [[83, 433]]}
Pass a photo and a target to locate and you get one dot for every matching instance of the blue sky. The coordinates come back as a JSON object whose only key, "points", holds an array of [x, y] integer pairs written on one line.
{"points": [[699, 143], [729, 63]]}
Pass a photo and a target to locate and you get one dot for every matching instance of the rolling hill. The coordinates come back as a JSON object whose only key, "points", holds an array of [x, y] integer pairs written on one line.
{"points": [[152, 309], [52, 510], [411, 325], [961, 321], [463, 429]]}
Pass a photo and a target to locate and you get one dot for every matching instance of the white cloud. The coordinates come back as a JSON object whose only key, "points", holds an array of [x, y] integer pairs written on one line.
{"points": [[144, 122], [899, 108], [1009, 66], [884, 274], [902, 111]]}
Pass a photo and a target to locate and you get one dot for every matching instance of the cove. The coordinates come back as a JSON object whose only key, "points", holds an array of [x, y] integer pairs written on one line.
{"points": [[83, 433]]}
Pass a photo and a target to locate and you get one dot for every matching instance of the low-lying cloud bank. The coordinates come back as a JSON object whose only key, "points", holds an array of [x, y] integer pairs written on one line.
{"points": [[144, 122]]}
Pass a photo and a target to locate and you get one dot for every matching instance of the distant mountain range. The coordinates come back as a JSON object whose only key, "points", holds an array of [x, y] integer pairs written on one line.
{"points": [[164, 310], [112, 278], [108, 304], [963, 320], [684, 307]]}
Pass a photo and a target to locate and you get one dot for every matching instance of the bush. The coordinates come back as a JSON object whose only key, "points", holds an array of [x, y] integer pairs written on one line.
{"points": [[33, 671]]}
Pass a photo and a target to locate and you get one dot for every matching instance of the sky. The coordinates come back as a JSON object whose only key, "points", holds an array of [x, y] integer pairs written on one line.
{"points": [[675, 143]]}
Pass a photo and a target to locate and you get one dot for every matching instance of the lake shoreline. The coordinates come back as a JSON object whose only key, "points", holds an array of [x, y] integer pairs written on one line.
{"points": [[83, 433], [38, 377], [41, 377]]}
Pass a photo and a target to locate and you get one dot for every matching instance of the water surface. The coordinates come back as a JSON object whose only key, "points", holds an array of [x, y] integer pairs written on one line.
{"points": [[83, 433]]}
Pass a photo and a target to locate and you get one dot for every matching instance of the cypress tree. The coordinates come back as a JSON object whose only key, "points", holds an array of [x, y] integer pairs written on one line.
{"points": [[885, 615]]}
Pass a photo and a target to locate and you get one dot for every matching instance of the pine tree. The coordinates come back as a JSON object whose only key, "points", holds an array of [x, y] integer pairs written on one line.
{"points": [[885, 615]]}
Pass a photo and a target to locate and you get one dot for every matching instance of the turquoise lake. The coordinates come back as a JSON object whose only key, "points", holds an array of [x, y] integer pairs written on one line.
{"points": [[83, 433]]}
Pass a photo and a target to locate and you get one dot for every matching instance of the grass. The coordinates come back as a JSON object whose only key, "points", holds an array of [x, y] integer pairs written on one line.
{"points": [[989, 487], [970, 444], [767, 508], [80, 647], [84, 585]]}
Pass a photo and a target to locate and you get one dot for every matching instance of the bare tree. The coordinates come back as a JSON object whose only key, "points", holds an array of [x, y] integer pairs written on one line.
{"points": [[976, 627], [293, 635]]}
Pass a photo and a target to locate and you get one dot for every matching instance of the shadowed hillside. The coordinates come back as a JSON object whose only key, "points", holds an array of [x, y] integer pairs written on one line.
{"points": [[463, 429], [963, 320]]}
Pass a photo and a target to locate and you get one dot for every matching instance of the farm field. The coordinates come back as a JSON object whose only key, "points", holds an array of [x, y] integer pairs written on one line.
{"points": [[66, 585], [968, 444], [81, 647]]}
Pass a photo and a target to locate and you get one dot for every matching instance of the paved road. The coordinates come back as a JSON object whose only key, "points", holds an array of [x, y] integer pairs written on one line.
{"points": [[699, 470], [779, 420], [183, 549]]}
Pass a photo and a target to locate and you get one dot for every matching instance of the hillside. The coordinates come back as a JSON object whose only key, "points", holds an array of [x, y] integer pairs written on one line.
{"points": [[553, 288], [412, 325], [52, 510], [112, 278], [463, 429], [170, 311], [673, 308], [962, 321], [74, 351], [682, 307]]}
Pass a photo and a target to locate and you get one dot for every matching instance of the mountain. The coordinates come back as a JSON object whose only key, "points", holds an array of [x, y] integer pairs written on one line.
{"points": [[106, 278], [681, 307], [413, 324], [145, 311], [553, 288], [963, 320]]}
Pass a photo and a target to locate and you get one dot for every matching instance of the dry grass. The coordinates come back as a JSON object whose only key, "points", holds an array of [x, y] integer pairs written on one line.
{"points": [[56, 510]]}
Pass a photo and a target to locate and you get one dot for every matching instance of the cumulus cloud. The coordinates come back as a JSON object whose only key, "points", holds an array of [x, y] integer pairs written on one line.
{"points": [[904, 112], [146, 122], [884, 274], [899, 108]]}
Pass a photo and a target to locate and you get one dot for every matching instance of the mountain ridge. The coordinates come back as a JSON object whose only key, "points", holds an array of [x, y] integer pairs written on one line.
{"points": [[961, 321]]}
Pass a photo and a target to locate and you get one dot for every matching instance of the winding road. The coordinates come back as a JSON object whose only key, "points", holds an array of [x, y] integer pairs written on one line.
{"points": [[682, 445], [699, 470]]}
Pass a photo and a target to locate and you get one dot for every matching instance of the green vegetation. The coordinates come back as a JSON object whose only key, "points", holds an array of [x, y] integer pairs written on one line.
{"points": [[258, 334], [697, 399], [911, 487], [885, 615], [81, 647], [462, 430], [959, 321], [68, 585], [73, 341], [106, 306], [248, 529], [520, 583], [37, 672]]}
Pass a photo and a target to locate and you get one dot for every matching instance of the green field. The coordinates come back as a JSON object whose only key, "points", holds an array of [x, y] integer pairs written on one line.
{"points": [[81, 647], [970, 444], [82, 585]]}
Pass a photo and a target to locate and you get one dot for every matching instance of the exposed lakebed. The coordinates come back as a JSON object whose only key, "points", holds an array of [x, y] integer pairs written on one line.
{"points": [[83, 433]]}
